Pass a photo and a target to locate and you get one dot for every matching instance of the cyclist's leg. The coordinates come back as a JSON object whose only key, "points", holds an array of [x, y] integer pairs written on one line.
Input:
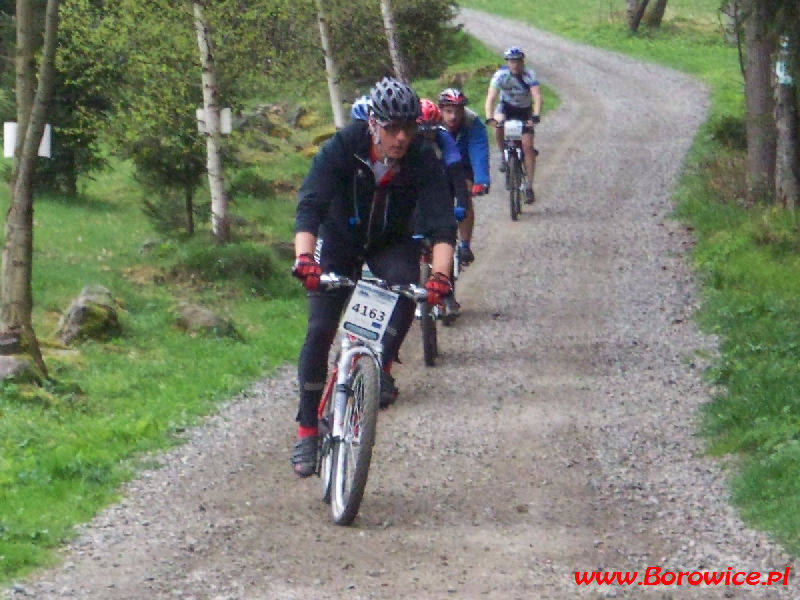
{"points": [[398, 265], [530, 156], [466, 227], [499, 116], [324, 311]]}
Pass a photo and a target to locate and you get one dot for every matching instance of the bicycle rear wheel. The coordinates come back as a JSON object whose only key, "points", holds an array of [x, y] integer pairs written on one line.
{"points": [[352, 453], [515, 180]]}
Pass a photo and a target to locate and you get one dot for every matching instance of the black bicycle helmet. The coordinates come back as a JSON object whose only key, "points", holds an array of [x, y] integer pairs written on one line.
{"points": [[393, 100]]}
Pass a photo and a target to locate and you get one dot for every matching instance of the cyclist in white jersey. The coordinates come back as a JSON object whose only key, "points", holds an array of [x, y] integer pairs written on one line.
{"points": [[520, 98]]}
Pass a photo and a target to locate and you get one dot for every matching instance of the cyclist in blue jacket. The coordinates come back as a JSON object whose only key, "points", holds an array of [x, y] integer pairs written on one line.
{"points": [[470, 134]]}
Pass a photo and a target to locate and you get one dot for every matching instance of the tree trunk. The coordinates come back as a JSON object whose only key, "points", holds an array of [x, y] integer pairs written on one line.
{"points": [[635, 12], [220, 225], [189, 207], [787, 169], [760, 123], [400, 70], [731, 20], [656, 14], [330, 67], [17, 262]]}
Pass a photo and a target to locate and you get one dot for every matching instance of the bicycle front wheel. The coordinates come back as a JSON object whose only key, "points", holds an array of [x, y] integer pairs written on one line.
{"points": [[515, 181], [353, 451], [428, 324]]}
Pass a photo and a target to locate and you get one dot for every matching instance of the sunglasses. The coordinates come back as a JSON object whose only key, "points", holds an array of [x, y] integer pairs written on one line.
{"points": [[395, 127]]}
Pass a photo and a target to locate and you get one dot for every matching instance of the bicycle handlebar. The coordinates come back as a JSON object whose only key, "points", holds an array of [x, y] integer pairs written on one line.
{"points": [[332, 281]]}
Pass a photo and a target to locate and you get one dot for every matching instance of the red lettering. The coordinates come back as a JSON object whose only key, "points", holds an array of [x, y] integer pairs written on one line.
{"points": [[752, 578], [695, 578], [715, 578], [652, 572], [735, 575]]}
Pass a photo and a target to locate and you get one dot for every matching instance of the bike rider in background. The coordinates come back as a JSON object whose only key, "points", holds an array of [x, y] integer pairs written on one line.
{"points": [[357, 204], [520, 99], [469, 133], [445, 148]]}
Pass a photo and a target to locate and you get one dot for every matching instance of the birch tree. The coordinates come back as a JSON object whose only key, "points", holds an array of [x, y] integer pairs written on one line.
{"points": [[400, 70], [32, 97], [330, 66], [220, 226]]}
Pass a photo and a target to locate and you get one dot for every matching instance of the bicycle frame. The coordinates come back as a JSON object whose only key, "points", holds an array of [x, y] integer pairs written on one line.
{"points": [[348, 407], [350, 349]]}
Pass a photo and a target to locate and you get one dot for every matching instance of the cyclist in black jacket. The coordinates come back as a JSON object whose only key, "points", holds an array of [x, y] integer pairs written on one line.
{"points": [[356, 205]]}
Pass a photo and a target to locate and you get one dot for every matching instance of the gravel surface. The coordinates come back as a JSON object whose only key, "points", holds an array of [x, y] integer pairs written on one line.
{"points": [[556, 434]]}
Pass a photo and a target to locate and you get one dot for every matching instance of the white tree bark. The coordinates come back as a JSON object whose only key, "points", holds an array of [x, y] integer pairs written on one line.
{"points": [[220, 225], [330, 67], [32, 102], [400, 70]]}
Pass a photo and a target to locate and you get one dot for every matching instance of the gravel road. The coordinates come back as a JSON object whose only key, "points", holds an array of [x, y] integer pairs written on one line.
{"points": [[555, 435]]}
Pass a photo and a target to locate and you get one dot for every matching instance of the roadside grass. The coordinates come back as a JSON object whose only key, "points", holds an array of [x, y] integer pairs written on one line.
{"points": [[66, 447], [747, 257]]}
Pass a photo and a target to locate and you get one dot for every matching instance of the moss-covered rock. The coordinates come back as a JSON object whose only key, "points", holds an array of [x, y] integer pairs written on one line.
{"points": [[93, 314]]}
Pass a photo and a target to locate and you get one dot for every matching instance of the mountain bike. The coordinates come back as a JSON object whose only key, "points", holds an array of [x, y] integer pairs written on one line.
{"points": [[348, 409], [515, 163]]}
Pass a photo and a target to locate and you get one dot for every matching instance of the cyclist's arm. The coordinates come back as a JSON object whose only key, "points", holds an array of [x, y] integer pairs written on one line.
{"points": [[491, 100], [321, 184], [479, 152], [536, 96], [304, 243], [434, 200], [448, 146], [458, 182]]}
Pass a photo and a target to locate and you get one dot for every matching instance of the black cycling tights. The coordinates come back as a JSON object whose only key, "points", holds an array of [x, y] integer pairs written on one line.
{"points": [[397, 265]]}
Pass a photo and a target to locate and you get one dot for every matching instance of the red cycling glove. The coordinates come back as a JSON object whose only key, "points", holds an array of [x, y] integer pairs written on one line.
{"points": [[438, 286], [307, 270], [479, 189]]}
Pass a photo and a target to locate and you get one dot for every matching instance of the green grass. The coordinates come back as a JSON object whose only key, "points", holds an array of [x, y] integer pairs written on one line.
{"points": [[748, 258], [65, 448]]}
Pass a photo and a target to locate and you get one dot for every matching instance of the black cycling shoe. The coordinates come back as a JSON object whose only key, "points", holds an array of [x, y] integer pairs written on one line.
{"points": [[530, 197], [304, 456], [465, 255], [503, 166], [389, 390]]}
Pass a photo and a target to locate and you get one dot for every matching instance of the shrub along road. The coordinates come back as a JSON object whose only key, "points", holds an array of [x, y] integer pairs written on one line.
{"points": [[555, 435]]}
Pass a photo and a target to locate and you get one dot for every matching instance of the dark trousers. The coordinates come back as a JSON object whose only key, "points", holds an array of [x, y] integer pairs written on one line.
{"points": [[398, 264]]}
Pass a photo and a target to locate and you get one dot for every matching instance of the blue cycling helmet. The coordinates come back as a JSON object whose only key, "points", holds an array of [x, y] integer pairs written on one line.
{"points": [[513, 52], [360, 109], [393, 100]]}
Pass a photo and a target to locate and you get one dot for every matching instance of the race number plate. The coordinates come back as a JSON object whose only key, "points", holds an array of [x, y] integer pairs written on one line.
{"points": [[513, 130], [368, 311]]}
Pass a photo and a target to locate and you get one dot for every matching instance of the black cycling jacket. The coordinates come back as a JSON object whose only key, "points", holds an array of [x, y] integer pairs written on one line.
{"points": [[337, 194]]}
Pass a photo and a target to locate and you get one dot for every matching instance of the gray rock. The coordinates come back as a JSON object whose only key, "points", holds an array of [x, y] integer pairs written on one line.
{"points": [[93, 314], [198, 319], [17, 368]]}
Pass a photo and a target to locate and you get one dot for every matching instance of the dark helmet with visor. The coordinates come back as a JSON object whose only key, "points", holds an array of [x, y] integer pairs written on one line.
{"points": [[392, 100]]}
